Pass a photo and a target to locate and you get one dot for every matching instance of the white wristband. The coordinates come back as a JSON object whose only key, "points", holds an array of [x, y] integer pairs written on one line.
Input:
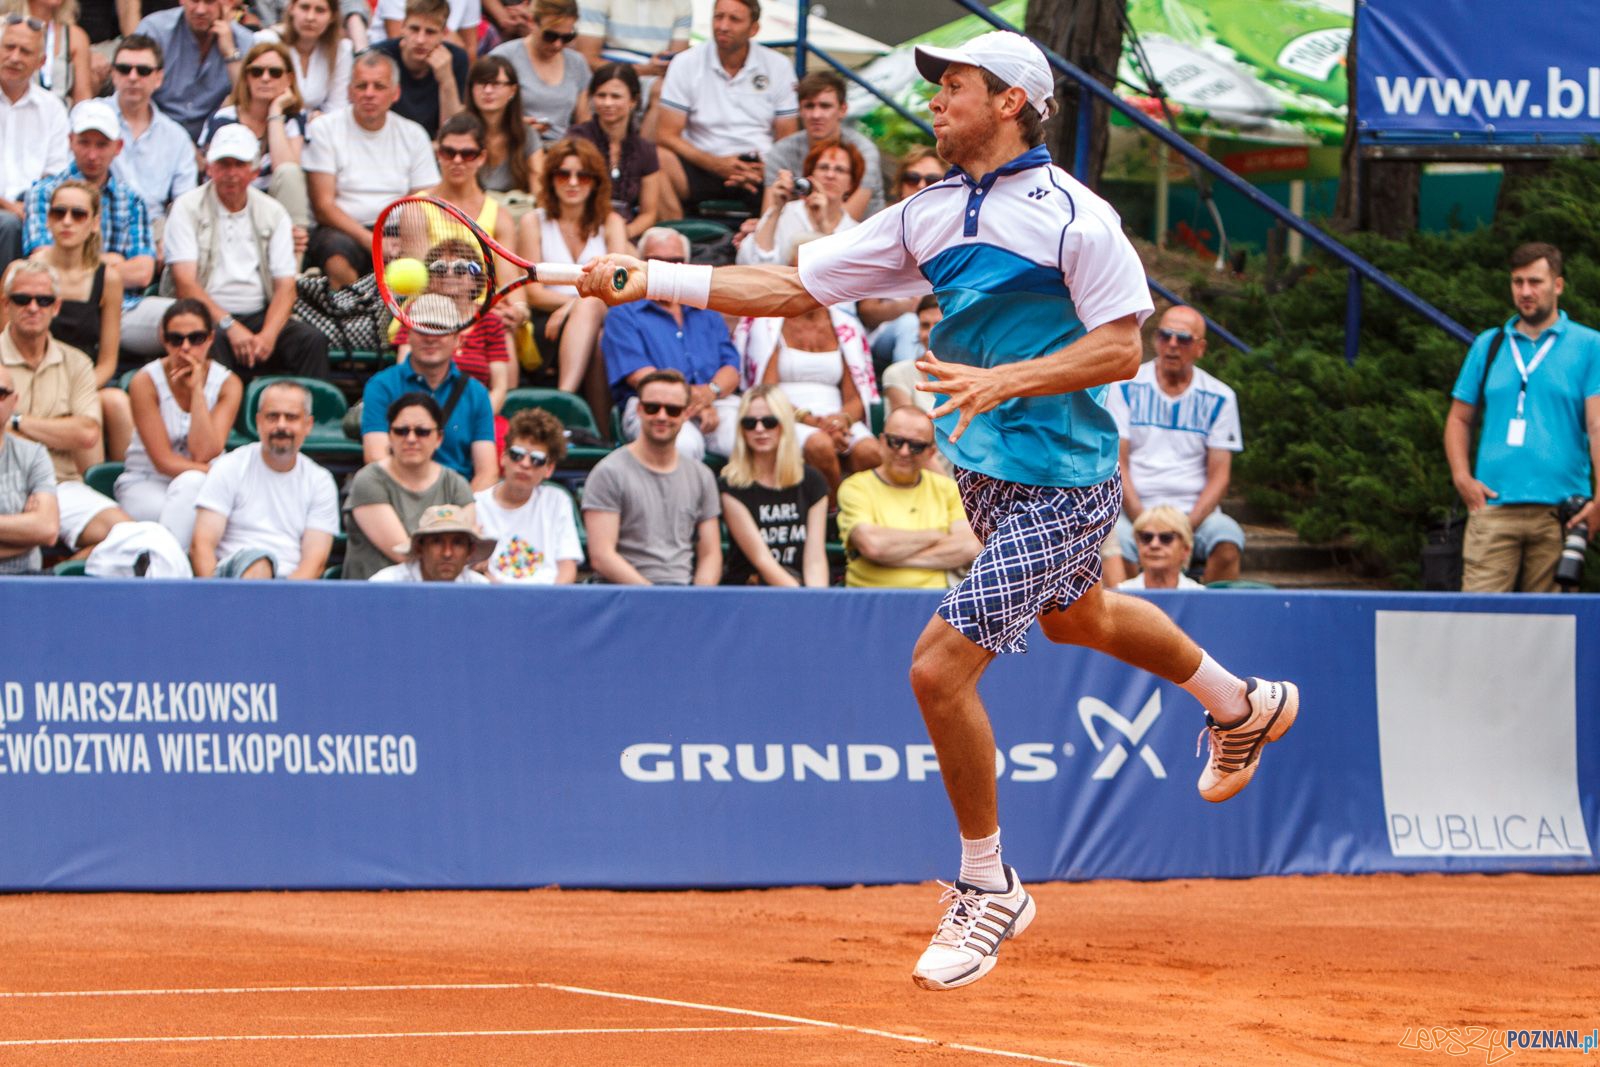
{"points": [[678, 283]]}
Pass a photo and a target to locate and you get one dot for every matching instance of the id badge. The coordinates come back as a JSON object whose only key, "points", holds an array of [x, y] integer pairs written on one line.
{"points": [[1516, 432]]}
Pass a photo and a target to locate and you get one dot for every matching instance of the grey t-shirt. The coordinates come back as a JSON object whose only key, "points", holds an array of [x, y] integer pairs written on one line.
{"points": [[790, 154], [552, 103], [24, 470], [657, 512], [373, 485]]}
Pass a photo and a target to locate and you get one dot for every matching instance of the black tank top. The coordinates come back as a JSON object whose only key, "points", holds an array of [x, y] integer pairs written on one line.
{"points": [[78, 322]]}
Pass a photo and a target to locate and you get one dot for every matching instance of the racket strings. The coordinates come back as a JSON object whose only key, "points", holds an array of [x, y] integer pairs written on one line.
{"points": [[438, 271]]}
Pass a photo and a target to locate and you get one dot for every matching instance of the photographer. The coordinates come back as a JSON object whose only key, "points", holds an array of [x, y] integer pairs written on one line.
{"points": [[1536, 380], [813, 204]]}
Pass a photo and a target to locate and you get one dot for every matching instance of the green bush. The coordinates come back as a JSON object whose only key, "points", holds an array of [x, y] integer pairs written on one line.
{"points": [[1357, 451]]}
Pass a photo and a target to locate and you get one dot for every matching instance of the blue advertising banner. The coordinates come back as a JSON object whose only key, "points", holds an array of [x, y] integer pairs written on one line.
{"points": [[212, 735], [1477, 71]]}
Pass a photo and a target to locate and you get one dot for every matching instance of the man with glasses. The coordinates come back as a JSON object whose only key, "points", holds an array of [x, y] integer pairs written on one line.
{"points": [[466, 439], [56, 402], [29, 516], [433, 71], [822, 112], [902, 525], [231, 247], [33, 127], [203, 48], [1180, 429], [530, 521], [654, 334], [357, 160], [652, 513], [157, 157]]}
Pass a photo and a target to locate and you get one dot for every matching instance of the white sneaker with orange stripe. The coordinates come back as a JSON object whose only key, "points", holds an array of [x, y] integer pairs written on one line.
{"points": [[967, 944], [1236, 750]]}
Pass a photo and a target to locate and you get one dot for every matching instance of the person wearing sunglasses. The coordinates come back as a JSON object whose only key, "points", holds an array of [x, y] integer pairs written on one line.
{"points": [[30, 516], [511, 151], [231, 247], [531, 520], [433, 69], [1046, 297], [574, 223], [651, 513], [774, 504], [322, 55], [1179, 429], [1165, 541], [184, 405], [203, 48], [904, 526], [266, 101], [90, 315], [551, 76], [483, 352], [57, 404], [157, 157], [388, 497], [634, 162]]}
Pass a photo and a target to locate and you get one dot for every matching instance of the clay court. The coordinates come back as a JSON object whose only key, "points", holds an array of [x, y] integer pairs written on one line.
{"points": [[1271, 970]]}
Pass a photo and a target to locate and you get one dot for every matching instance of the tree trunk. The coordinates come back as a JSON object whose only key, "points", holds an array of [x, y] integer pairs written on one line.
{"points": [[1384, 195], [1088, 33]]}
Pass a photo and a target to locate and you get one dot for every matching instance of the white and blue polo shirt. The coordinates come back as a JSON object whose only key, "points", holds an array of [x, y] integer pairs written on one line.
{"points": [[1024, 261]]}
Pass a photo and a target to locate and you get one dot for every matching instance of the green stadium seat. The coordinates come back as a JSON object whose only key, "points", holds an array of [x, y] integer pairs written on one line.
{"points": [[698, 230], [103, 476], [1239, 583], [326, 442], [68, 568], [875, 416]]}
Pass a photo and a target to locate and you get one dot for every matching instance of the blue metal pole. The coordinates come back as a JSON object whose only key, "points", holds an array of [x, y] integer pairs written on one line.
{"points": [[803, 13], [1080, 142], [1239, 185], [1352, 318]]}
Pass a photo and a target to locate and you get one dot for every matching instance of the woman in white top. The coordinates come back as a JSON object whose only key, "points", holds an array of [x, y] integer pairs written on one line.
{"points": [[834, 168], [1165, 541], [574, 223], [322, 55], [183, 405]]}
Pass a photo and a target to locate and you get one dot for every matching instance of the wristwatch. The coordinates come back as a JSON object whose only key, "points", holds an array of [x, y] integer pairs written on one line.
{"points": [[225, 323], [16, 421], [716, 390]]}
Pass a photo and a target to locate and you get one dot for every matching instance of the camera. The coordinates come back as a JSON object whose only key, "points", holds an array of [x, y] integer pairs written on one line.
{"points": [[1569, 571], [802, 189]]}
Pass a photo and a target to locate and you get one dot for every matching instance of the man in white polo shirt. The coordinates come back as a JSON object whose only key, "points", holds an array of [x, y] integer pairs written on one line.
{"points": [[33, 127], [723, 104]]}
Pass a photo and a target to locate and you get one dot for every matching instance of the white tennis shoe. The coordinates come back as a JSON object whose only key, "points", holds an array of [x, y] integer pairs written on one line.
{"points": [[1236, 750], [967, 943]]}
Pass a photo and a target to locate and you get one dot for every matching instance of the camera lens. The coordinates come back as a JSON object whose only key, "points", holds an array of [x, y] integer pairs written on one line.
{"points": [[802, 187], [1569, 569]]}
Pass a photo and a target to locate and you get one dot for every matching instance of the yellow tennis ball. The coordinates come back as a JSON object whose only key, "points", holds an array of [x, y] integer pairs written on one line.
{"points": [[406, 277]]}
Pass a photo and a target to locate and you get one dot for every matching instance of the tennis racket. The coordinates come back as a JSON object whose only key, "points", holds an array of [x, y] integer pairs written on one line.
{"points": [[439, 272]]}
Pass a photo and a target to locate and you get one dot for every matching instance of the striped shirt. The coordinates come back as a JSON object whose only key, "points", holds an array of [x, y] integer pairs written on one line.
{"points": [[124, 220]]}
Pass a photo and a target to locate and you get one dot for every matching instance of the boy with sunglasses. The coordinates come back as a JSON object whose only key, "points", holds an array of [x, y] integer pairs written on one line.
{"points": [[531, 523]]}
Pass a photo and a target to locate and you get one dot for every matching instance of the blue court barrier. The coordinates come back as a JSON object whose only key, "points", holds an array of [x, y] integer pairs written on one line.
{"points": [[189, 735]]}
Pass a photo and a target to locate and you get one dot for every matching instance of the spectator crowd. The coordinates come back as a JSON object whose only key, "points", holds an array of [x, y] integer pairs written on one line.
{"points": [[184, 187]]}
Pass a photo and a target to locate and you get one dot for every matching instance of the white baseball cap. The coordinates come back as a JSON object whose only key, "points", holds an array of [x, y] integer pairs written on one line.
{"points": [[96, 115], [234, 141], [1009, 56]]}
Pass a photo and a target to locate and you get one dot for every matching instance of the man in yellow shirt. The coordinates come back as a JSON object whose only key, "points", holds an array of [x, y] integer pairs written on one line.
{"points": [[903, 525]]}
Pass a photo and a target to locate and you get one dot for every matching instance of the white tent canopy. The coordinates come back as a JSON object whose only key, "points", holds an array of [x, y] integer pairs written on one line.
{"points": [[779, 19]]}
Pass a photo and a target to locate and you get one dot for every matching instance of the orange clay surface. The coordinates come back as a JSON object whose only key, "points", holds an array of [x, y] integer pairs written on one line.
{"points": [[1272, 970]]}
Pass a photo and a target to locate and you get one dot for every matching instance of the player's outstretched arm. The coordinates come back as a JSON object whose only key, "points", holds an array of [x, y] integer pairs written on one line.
{"points": [[761, 291], [1108, 353]]}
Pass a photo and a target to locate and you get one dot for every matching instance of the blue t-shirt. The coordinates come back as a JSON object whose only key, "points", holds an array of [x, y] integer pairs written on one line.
{"points": [[644, 334], [1025, 260], [1552, 463], [472, 420]]}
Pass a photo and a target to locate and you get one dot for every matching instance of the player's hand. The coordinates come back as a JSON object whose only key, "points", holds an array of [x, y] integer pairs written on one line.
{"points": [[971, 390], [598, 275]]}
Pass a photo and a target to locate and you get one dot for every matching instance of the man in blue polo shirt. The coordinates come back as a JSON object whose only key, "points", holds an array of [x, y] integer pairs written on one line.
{"points": [[1537, 380], [467, 446], [658, 335]]}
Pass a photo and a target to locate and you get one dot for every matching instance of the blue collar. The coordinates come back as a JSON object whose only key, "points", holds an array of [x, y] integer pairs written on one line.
{"points": [[1037, 156], [1559, 328], [410, 373]]}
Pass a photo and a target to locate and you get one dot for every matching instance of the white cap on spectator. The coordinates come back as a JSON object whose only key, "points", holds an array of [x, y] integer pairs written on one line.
{"points": [[234, 141], [1010, 57], [435, 311], [96, 115]]}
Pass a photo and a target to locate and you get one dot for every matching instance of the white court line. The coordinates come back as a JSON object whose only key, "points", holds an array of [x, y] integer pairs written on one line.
{"points": [[423, 987], [191, 1039]]}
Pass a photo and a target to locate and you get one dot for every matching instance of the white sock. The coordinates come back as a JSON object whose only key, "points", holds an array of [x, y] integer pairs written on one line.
{"points": [[1219, 692], [980, 863]]}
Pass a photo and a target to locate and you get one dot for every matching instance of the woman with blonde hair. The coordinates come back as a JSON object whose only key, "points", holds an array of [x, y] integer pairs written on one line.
{"points": [[775, 506], [266, 101], [1165, 541], [574, 223], [66, 71], [323, 56], [90, 318]]}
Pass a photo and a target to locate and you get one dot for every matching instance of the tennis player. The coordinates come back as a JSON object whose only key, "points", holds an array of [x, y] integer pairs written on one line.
{"points": [[1042, 297]]}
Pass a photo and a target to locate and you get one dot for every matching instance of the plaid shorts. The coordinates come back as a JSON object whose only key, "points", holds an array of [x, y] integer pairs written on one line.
{"points": [[1041, 552]]}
